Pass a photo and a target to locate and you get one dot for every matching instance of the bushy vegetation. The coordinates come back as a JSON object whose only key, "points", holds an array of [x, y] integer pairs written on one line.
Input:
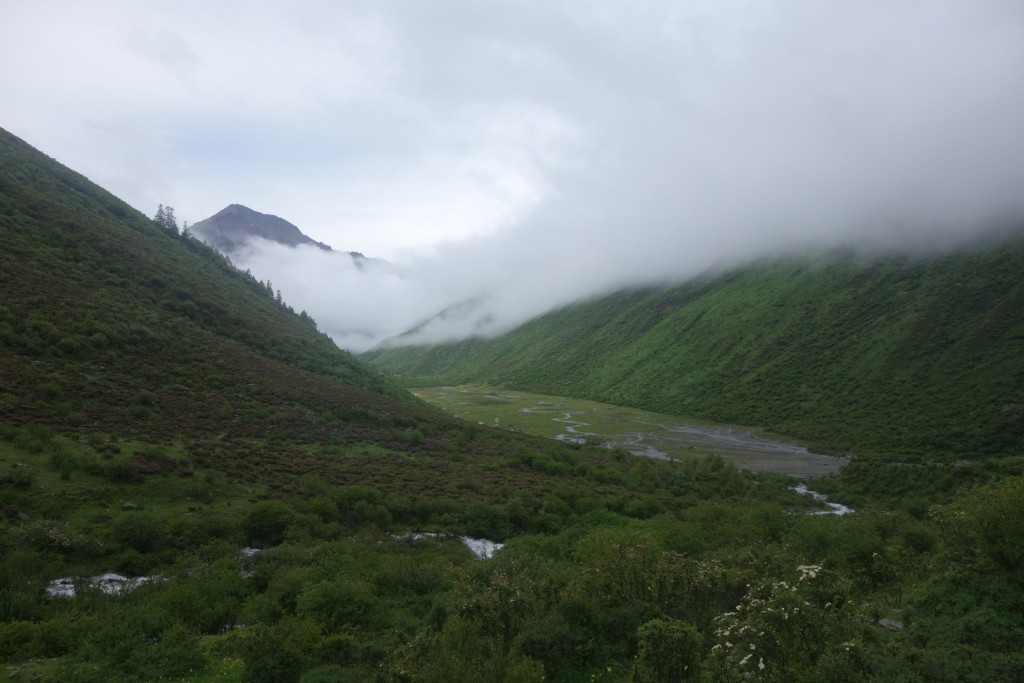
{"points": [[728, 581], [163, 416]]}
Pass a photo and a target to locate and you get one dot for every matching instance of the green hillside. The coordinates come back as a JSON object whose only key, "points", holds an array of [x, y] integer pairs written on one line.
{"points": [[284, 514], [113, 328], [908, 358]]}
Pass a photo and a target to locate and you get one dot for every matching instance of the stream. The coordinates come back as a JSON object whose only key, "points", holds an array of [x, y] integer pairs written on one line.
{"points": [[481, 548], [116, 584], [837, 509], [745, 448]]}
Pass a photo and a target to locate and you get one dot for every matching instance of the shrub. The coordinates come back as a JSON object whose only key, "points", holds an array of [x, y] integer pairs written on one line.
{"points": [[337, 603], [68, 346], [48, 391], [272, 655], [266, 523], [145, 398], [45, 535], [140, 531], [121, 472], [667, 650], [785, 630], [361, 505], [988, 522]]}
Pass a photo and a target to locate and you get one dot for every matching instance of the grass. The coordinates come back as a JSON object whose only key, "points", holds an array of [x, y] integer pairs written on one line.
{"points": [[638, 431]]}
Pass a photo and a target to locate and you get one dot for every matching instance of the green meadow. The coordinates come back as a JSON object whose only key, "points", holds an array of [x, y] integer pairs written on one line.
{"points": [[640, 432]]}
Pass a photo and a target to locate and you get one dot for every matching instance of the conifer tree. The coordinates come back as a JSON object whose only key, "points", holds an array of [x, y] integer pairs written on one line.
{"points": [[170, 222], [165, 218]]}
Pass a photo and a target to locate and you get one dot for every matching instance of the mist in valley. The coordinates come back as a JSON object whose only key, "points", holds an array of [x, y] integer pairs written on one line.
{"points": [[511, 159]]}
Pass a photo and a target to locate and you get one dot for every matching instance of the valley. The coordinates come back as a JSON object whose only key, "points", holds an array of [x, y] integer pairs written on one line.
{"points": [[163, 414], [885, 357], [640, 432]]}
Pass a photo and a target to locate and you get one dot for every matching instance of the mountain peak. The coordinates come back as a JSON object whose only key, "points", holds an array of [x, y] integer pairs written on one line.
{"points": [[231, 228]]}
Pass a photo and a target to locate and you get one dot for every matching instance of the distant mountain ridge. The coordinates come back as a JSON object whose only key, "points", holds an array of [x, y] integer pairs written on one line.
{"points": [[231, 230]]}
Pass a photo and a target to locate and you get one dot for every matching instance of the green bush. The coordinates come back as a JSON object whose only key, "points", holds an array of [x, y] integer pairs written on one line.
{"points": [[141, 531], [18, 640], [337, 603], [209, 601], [49, 391], [667, 651], [68, 346], [145, 398], [988, 522], [266, 523], [358, 505], [122, 471], [277, 655]]}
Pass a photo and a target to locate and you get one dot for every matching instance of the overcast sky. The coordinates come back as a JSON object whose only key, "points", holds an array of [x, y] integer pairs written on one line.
{"points": [[525, 153]]}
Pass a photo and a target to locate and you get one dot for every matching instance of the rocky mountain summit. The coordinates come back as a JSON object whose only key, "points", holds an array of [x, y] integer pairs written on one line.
{"points": [[233, 227]]}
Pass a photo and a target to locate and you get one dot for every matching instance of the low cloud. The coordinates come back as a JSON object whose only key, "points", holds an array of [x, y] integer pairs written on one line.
{"points": [[524, 154]]}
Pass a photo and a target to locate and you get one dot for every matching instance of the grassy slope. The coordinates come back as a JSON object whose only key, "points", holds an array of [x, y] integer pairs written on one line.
{"points": [[114, 329], [895, 356], [109, 324]]}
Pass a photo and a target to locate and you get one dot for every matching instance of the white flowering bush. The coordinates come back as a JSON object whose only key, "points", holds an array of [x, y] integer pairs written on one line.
{"points": [[49, 536], [787, 629]]}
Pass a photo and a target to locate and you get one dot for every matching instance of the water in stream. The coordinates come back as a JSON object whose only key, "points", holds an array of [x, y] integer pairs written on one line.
{"points": [[640, 432]]}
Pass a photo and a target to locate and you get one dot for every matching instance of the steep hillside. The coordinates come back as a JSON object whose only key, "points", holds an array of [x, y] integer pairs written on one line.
{"points": [[109, 323], [113, 328], [894, 356]]}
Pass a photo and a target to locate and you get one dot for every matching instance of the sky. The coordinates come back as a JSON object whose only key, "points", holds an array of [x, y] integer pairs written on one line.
{"points": [[516, 155]]}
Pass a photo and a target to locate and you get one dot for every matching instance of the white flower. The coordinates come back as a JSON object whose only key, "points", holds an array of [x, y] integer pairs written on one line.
{"points": [[760, 664]]}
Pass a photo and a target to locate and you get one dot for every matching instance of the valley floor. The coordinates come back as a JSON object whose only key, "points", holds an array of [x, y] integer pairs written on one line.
{"points": [[638, 431]]}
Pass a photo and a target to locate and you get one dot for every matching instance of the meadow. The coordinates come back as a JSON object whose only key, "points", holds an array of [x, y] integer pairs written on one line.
{"points": [[640, 432]]}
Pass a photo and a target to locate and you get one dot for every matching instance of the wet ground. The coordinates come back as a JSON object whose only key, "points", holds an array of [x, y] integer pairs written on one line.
{"points": [[641, 432]]}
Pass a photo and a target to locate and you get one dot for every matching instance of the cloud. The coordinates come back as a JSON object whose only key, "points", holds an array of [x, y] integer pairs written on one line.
{"points": [[524, 153], [357, 305]]}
